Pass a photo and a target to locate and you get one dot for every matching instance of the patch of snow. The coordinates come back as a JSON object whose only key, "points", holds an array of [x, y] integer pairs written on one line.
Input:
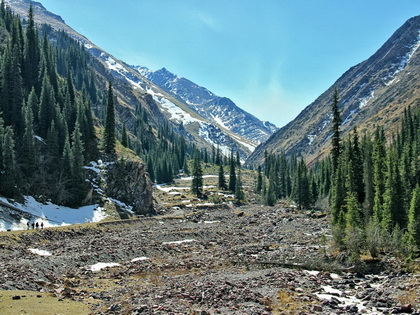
{"points": [[204, 132], [99, 214], [39, 252], [211, 222], [335, 276], [390, 79], [365, 100], [179, 242], [249, 146], [177, 114], [117, 67], [50, 214], [311, 138], [204, 176], [168, 189], [219, 121], [349, 301], [99, 266], [40, 139], [121, 204], [94, 167], [312, 272], [331, 290], [139, 259], [349, 117]]}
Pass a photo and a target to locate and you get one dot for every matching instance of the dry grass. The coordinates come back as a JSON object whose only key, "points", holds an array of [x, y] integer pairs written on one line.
{"points": [[287, 302], [36, 303]]}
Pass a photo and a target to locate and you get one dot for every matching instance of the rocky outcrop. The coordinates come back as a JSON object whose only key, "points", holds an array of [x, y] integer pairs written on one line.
{"points": [[127, 181]]}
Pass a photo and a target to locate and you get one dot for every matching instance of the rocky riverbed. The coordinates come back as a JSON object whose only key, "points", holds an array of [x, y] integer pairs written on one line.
{"points": [[246, 260]]}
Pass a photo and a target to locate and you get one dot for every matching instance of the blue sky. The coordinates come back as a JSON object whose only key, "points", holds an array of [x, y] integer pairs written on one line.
{"points": [[271, 57]]}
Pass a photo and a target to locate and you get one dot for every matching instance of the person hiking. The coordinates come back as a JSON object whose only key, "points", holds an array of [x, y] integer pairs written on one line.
{"points": [[33, 225], [37, 225], [42, 225]]}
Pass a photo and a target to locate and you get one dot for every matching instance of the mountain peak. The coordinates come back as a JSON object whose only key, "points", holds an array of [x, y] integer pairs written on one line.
{"points": [[220, 110], [22, 7]]}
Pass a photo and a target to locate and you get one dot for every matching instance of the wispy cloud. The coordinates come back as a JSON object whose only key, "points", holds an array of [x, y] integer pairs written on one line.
{"points": [[207, 20]]}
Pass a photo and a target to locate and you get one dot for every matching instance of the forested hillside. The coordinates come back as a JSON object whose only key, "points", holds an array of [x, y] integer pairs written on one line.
{"points": [[53, 104], [370, 183], [46, 128]]}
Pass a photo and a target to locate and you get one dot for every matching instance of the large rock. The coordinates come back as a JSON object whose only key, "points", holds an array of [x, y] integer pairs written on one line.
{"points": [[128, 181]]}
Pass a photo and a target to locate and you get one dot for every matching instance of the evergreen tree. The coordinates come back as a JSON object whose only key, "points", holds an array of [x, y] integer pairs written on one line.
{"points": [[269, 192], [222, 181], [413, 227], [239, 193], [185, 167], [232, 173], [28, 156], [357, 167], [8, 174], [77, 159], [393, 208], [11, 96], [338, 196], [367, 178], [259, 180], [379, 167], [353, 211], [32, 53], [335, 139], [46, 107], [124, 137], [109, 136], [301, 190], [197, 176], [238, 159]]}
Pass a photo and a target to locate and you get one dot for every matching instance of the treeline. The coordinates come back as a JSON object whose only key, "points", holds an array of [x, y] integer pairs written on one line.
{"points": [[46, 123], [287, 178], [371, 183], [375, 190], [234, 184]]}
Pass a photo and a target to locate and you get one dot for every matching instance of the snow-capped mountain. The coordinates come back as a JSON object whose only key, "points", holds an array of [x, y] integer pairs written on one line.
{"points": [[374, 92], [219, 110], [134, 90]]}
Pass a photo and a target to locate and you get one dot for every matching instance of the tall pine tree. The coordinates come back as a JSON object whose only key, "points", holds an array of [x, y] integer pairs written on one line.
{"points": [[109, 135]]}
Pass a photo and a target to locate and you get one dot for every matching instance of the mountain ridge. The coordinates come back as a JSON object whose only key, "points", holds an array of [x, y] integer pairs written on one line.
{"points": [[218, 109], [133, 90], [373, 92]]}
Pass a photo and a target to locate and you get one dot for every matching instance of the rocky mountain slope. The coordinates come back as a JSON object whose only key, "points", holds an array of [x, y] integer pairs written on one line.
{"points": [[374, 92], [219, 110], [133, 90]]}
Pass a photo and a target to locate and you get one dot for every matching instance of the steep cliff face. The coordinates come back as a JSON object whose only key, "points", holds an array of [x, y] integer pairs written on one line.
{"points": [[127, 181], [374, 92]]}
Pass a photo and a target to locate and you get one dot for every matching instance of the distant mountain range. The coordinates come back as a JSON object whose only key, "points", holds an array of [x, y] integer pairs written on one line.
{"points": [[219, 110], [374, 92], [206, 119]]}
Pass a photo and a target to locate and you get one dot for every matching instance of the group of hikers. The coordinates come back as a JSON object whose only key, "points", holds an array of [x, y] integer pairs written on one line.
{"points": [[35, 225]]}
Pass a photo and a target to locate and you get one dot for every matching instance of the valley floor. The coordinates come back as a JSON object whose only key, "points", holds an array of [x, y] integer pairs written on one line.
{"points": [[247, 260]]}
